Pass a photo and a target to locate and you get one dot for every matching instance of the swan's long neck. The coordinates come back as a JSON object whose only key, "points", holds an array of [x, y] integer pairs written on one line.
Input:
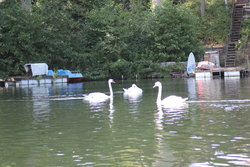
{"points": [[110, 90], [158, 100]]}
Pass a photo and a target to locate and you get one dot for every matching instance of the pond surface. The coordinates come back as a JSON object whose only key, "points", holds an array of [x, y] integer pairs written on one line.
{"points": [[52, 126]]}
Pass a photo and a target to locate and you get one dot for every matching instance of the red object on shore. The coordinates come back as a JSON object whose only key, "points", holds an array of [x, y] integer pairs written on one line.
{"points": [[205, 65]]}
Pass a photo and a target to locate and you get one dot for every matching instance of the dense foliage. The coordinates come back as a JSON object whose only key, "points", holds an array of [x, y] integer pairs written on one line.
{"points": [[98, 38], [214, 26], [243, 44]]}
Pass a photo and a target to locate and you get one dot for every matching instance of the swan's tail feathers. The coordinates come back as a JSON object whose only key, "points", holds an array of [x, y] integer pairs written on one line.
{"points": [[84, 95], [124, 89], [185, 99]]}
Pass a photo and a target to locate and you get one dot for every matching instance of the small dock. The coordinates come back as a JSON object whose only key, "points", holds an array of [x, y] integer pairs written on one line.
{"points": [[222, 72], [38, 73], [21, 81]]}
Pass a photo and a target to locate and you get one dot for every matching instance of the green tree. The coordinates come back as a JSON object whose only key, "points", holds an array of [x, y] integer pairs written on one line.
{"points": [[214, 26], [15, 38], [100, 38], [172, 30]]}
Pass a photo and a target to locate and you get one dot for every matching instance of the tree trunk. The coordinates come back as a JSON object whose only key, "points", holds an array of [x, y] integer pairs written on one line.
{"points": [[203, 7], [26, 4], [156, 3], [226, 3]]}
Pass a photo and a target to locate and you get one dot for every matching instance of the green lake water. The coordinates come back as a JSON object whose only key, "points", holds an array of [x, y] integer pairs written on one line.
{"points": [[52, 126]]}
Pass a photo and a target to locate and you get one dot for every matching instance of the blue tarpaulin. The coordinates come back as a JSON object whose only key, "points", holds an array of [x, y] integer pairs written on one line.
{"points": [[68, 73]]}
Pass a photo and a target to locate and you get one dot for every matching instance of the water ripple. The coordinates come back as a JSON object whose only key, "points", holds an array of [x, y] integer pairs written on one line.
{"points": [[237, 159]]}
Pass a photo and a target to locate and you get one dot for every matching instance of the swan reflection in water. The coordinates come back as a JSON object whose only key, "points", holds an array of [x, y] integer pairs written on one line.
{"points": [[164, 118], [168, 115], [136, 98]]}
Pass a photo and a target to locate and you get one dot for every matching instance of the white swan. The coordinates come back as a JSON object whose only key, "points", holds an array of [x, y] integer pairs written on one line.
{"points": [[133, 93], [171, 101], [133, 90], [97, 97]]}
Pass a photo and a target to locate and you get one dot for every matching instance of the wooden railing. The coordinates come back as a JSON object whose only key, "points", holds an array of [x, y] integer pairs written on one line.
{"points": [[240, 1]]}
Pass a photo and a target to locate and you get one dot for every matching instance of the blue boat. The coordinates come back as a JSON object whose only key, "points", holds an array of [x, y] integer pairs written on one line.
{"points": [[71, 76]]}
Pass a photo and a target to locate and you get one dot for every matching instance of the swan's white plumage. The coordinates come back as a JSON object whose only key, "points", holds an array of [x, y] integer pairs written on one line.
{"points": [[133, 90], [97, 97], [171, 101], [133, 93]]}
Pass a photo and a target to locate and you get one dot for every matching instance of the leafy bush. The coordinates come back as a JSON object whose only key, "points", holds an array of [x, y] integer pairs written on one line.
{"points": [[245, 35], [96, 74], [214, 27], [100, 39], [172, 30], [179, 68], [120, 68], [144, 68]]}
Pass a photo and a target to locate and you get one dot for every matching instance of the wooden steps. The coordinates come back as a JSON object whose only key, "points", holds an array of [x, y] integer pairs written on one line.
{"points": [[234, 35]]}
